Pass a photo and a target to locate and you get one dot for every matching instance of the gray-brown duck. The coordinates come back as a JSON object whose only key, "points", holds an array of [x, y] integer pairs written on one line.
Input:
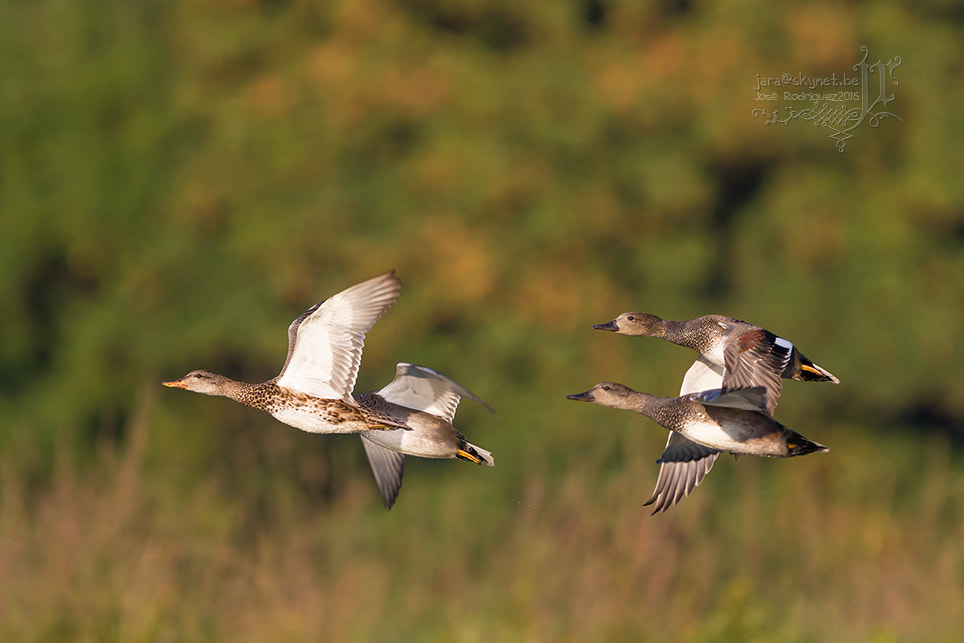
{"points": [[731, 420], [743, 354], [732, 354], [425, 402]]}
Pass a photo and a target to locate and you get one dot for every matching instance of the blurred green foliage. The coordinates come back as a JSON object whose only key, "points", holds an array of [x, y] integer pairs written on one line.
{"points": [[180, 180]]}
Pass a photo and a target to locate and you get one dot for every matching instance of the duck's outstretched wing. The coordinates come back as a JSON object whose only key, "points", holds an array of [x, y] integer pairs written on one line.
{"points": [[388, 467], [753, 398], [683, 466], [756, 357], [703, 375], [421, 388], [325, 344]]}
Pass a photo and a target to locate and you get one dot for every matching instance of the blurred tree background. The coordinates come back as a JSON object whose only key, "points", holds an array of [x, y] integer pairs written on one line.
{"points": [[178, 181]]}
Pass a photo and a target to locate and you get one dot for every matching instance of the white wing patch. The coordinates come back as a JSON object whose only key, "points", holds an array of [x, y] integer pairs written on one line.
{"points": [[779, 341]]}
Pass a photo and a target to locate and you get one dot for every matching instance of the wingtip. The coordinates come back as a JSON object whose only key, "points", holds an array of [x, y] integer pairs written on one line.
{"points": [[387, 277], [660, 507], [467, 394]]}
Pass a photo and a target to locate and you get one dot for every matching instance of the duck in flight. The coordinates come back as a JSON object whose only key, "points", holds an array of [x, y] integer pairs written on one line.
{"points": [[313, 392], [732, 354], [731, 420], [741, 353], [425, 401]]}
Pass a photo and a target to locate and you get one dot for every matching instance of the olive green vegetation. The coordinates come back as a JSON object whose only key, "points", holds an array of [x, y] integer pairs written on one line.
{"points": [[178, 181]]}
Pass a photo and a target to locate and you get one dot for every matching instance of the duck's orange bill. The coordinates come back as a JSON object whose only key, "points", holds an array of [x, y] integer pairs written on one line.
{"points": [[175, 384]]}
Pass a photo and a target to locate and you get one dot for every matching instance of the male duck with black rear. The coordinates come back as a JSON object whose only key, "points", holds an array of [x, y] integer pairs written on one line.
{"points": [[731, 420], [732, 354], [425, 401], [741, 353], [313, 392]]}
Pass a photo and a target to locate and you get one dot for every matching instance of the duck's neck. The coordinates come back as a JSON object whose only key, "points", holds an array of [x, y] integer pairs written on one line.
{"points": [[680, 334], [254, 395], [640, 402], [664, 411], [661, 410]]}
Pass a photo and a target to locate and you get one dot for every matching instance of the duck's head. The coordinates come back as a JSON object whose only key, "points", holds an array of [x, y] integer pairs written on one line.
{"points": [[642, 324], [202, 382], [606, 393]]}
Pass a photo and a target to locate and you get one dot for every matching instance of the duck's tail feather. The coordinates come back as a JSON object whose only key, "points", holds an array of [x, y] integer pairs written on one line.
{"points": [[810, 372], [472, 453], [799, 445]]}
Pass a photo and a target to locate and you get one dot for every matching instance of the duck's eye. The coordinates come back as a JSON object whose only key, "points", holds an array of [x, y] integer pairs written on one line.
{"points": [[606, 388], [631, 318]]}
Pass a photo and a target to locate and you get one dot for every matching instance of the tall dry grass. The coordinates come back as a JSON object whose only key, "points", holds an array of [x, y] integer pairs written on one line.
{"points": [[859, 545]]}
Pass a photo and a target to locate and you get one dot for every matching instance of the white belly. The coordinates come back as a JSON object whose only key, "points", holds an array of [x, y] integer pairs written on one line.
{"points": [[708, 433], [753, 439], [412, 443], [310, 420]]}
